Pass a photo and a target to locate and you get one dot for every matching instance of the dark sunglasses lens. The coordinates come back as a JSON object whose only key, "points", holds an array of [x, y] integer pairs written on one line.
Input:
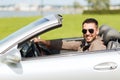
{"points": [[84, 31], [91, 30]]}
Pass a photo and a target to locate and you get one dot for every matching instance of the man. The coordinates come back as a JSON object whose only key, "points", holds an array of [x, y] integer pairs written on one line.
{"points": [[91, 40]]}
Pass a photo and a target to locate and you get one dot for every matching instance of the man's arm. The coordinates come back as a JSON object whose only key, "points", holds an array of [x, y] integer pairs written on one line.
{"points": [[60, 44]]}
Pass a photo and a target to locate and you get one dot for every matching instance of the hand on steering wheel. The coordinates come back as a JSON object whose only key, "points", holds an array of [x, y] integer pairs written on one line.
{"points": [[43, 49]]}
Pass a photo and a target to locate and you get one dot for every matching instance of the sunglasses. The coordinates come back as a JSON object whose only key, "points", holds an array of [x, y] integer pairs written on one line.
{"points": [[84, 31]]}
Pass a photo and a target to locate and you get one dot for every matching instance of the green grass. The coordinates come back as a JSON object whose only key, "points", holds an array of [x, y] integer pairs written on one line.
{"points": [[71, 25], [9, 25]]}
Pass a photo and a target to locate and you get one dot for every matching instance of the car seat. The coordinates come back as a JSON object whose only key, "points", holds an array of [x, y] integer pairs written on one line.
{"points": [[103, 29], [111, 37]]}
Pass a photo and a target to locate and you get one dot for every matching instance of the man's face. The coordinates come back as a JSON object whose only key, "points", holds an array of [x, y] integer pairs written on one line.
{"points": [[90, 31]]}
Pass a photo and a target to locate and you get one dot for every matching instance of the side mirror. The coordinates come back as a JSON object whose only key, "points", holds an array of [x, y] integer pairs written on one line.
{"points": [[13, 56]]}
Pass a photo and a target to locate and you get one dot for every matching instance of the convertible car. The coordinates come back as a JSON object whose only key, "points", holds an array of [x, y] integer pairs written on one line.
{"points": [[21, 59]]}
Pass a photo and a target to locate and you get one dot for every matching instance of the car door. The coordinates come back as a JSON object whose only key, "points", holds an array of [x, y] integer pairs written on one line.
{"points": [[103, 65]]}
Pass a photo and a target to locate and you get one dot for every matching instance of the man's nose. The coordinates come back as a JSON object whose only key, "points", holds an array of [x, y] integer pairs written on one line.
{"points": [[87, 33]]}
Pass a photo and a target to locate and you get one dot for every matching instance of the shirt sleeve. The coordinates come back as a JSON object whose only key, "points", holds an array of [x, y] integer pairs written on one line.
{"points": [[66, 45], [71, 45], [56, 44]]}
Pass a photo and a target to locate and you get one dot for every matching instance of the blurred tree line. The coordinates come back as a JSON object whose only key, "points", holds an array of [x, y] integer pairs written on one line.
{"points": [[98, 4], [94, 4], [97, 7]]}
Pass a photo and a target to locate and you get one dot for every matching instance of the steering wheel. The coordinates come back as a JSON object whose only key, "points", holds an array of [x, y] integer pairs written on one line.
{"points": [[35, 49], [32, 49], [43, 49], [29, 49]]}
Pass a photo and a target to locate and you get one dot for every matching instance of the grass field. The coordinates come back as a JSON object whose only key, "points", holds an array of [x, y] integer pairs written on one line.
{"points": [[71, 25], [9, 25]]}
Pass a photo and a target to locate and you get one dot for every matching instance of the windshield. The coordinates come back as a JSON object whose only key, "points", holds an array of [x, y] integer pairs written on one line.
{"points": [[24, 30]]}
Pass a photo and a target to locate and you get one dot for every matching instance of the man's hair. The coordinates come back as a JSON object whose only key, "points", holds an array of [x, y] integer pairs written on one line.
{"points": [[90, 20]]}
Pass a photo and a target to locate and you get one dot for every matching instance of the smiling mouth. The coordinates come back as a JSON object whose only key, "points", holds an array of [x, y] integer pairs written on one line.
{"points": [[88, 37]]}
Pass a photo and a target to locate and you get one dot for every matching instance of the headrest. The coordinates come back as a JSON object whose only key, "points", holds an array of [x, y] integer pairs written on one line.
{"points": [[110, 34], [103, 29]]}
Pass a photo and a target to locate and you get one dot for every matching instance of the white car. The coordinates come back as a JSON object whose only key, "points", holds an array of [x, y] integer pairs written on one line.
{"points": [[20, 58]]}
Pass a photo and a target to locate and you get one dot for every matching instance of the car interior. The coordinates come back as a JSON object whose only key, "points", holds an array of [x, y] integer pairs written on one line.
{"points": [[111, 39]]}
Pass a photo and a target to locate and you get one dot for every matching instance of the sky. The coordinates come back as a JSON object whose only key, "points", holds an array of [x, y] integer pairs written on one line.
{"points": [[51, 2]]}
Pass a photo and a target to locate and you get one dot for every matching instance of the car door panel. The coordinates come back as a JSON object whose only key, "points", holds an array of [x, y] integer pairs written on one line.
{"points": [[65, 67]]}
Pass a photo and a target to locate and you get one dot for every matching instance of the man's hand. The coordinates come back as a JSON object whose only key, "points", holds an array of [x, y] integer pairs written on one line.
{"points": [[36, 40]]}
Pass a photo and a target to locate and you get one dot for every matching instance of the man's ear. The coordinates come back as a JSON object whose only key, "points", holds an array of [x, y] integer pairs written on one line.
{"points": [[97, 31]]}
